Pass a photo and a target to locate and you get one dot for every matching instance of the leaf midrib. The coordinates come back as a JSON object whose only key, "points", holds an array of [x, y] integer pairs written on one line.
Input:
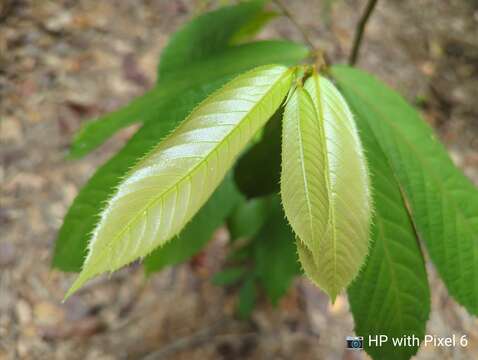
{"points": [[330, 195], [411, 147], [193, 169], [303, 171], [443, 190]]}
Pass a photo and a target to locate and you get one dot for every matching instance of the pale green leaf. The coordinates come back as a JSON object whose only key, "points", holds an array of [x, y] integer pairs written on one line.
{"points": [[83, 214], [304, 187], [325, 185], [161, 116], [164, 190], [444, 203], [198, 231]]}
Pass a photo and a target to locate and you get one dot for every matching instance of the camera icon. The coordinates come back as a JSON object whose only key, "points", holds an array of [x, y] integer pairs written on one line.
{"points": [[354, 342]]}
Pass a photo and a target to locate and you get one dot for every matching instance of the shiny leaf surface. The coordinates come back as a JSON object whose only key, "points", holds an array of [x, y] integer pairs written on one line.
{"points": [[167, 187]]}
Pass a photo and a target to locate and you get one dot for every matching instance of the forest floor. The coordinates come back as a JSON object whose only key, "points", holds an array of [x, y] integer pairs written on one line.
{"points": [[63, 62]]}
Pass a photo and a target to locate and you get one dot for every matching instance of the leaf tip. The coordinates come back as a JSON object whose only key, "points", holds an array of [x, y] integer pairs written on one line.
{"points": [[332, 295], [77, 284]]}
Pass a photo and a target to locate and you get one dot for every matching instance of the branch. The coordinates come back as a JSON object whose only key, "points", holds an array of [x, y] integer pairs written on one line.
{"points": [[360, 30], [212, 334], [196, 339], [293, 20]]}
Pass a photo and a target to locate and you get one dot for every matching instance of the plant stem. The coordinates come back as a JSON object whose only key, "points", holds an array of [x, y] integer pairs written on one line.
{"points": [[360, 31], [294, 21]]}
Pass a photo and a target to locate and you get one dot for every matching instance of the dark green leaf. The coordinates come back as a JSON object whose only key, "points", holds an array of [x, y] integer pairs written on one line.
{"points": [[241, 254], [391, 295], [186, 88], [247, 298], [247, 218], [444, 203], [94, 133], [196, 57], [231, 62], [205, 36], [198, 232], [228, 276], [257, 172], [251, 28], [275, 254]]}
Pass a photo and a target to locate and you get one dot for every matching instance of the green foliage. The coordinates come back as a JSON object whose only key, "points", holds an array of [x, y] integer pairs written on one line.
{"points": [[80, 221], [253, 26], [325, 185], [228, 276], [206, 36], [171, 102], [265, 158], [444, 203], [274, 253], [270, 256], [247, 298], [191, 85], [94, 133], [161, 193], [248, 217], [390, 296], [198, 232], [199, 58], [165, 206]]}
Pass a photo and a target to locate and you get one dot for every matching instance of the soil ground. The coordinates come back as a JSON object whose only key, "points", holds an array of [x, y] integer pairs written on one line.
{"points": [[63, 62]]}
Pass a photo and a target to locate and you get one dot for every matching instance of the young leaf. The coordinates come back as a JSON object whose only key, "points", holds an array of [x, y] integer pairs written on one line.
{"points": [[325, 185], [81, 218], [444, 203], [164, 190], [199, 231], [390, 296], [304, 177], [160, 119]]}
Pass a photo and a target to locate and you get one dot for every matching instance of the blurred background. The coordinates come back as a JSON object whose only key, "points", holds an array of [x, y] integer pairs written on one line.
{"points": [[64, 62]]}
